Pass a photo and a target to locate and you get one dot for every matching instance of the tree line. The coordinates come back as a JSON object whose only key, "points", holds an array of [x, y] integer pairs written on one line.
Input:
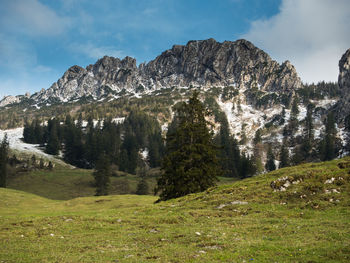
{"points": [[83, 144], [191, 158], [304, 147]]}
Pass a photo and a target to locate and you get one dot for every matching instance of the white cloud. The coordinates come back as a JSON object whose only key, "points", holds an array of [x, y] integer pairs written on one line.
{"points": [[32, 18], [95, 52], [312, 34]]}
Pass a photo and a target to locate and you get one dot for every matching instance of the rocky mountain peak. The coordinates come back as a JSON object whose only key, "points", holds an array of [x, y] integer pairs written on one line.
{"points": [[208, 63], [73, 73], [344, 70], [203, 63], [343, 106]]}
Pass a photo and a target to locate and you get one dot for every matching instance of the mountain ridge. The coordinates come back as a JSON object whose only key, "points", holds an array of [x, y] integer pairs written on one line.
{"points": [[202, 63]]}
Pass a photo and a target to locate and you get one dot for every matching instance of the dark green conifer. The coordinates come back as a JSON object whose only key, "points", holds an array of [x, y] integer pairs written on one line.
{"points": [[190, 164], [284, 155], [53, 144], [102, 175], [327, 147], [270, 163], [142, 186], [4, 147]]}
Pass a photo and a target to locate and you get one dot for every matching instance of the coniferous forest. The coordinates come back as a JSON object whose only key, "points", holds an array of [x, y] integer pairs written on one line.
{"points": [[83, 143], [135, 142]]}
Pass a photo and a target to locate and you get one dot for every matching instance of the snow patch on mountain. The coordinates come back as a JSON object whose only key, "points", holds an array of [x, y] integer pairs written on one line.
{"points": [[15, 140]]}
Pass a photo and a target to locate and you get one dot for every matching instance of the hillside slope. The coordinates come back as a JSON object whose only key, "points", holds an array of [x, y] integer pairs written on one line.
{"points": [[297, 214]]}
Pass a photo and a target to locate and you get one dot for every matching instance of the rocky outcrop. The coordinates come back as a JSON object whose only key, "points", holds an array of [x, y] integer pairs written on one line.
{"points": [[343, 106], [210, 63], [202, 63], [9, 100]]}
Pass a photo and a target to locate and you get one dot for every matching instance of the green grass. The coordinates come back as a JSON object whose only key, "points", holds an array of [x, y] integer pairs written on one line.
{"points": [[265, 226], [64, 183]]}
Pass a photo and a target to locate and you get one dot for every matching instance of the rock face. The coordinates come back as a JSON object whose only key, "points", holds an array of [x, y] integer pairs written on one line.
{"points": [[343, 107], [204, 63], [9, 100], [210, 63]]}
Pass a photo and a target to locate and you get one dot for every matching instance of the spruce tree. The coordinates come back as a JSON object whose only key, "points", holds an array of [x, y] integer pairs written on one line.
{"points": [[270, 163], [142, 187], [284, 155], [293, 120], [347, 127], [4, 147], [247, 167], [327, 148], [53, 144], [102, 175], [190, 164], [308, 135]]}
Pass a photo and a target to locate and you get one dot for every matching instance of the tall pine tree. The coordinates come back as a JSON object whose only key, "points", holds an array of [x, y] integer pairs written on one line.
{"points": [[102, 175], [190, 164], [270, 163], [284, 155], [4, 147], [327, 146]]}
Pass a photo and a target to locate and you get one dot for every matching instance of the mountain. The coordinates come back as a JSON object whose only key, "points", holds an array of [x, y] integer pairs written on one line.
{"points": [[204, 63], [343, 106], [236, 80]]}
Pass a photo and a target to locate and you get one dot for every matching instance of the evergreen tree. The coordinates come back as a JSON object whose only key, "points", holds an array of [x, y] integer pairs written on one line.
{"points": [[256, 159], [308, 135], [102, 175], [293, 121], [4, 147], [28, 133], [258, 150], [38, 132], [257, 138], [247, 167], [347, 127], [270, 163], [284, 155], [142, 186], [190, 164], [283, 115], [298, 155], [53, 144], [294, 112], [156, 150], [327, 147], [131, 149]]}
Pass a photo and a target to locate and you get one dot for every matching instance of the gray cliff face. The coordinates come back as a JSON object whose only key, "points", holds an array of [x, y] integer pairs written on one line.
{"points": [[343, 106], [9, 100], [202, 63], [210, 63]]}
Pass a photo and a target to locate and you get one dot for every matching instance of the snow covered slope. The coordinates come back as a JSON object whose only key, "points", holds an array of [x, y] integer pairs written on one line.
{"points": [[15, 140]]}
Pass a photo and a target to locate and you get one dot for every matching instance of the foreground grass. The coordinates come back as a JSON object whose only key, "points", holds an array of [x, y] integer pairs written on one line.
{"points": [[243, 222]]}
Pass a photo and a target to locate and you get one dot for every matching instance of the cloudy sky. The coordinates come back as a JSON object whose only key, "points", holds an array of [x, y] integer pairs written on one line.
{"points": [[40, 39]]}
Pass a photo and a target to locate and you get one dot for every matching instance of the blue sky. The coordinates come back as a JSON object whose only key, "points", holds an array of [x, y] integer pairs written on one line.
{"points": [[41, 39]]}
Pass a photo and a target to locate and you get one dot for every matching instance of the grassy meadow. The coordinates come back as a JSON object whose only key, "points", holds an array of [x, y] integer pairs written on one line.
{"points": [[259, 219]]}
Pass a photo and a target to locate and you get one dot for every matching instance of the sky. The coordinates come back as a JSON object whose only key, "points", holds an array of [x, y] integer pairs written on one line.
{"points": [[41, 39]]}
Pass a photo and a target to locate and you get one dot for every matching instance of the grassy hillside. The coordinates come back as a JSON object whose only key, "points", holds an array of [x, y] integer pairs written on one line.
{"points": [[64, 183], [297, 214]]}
